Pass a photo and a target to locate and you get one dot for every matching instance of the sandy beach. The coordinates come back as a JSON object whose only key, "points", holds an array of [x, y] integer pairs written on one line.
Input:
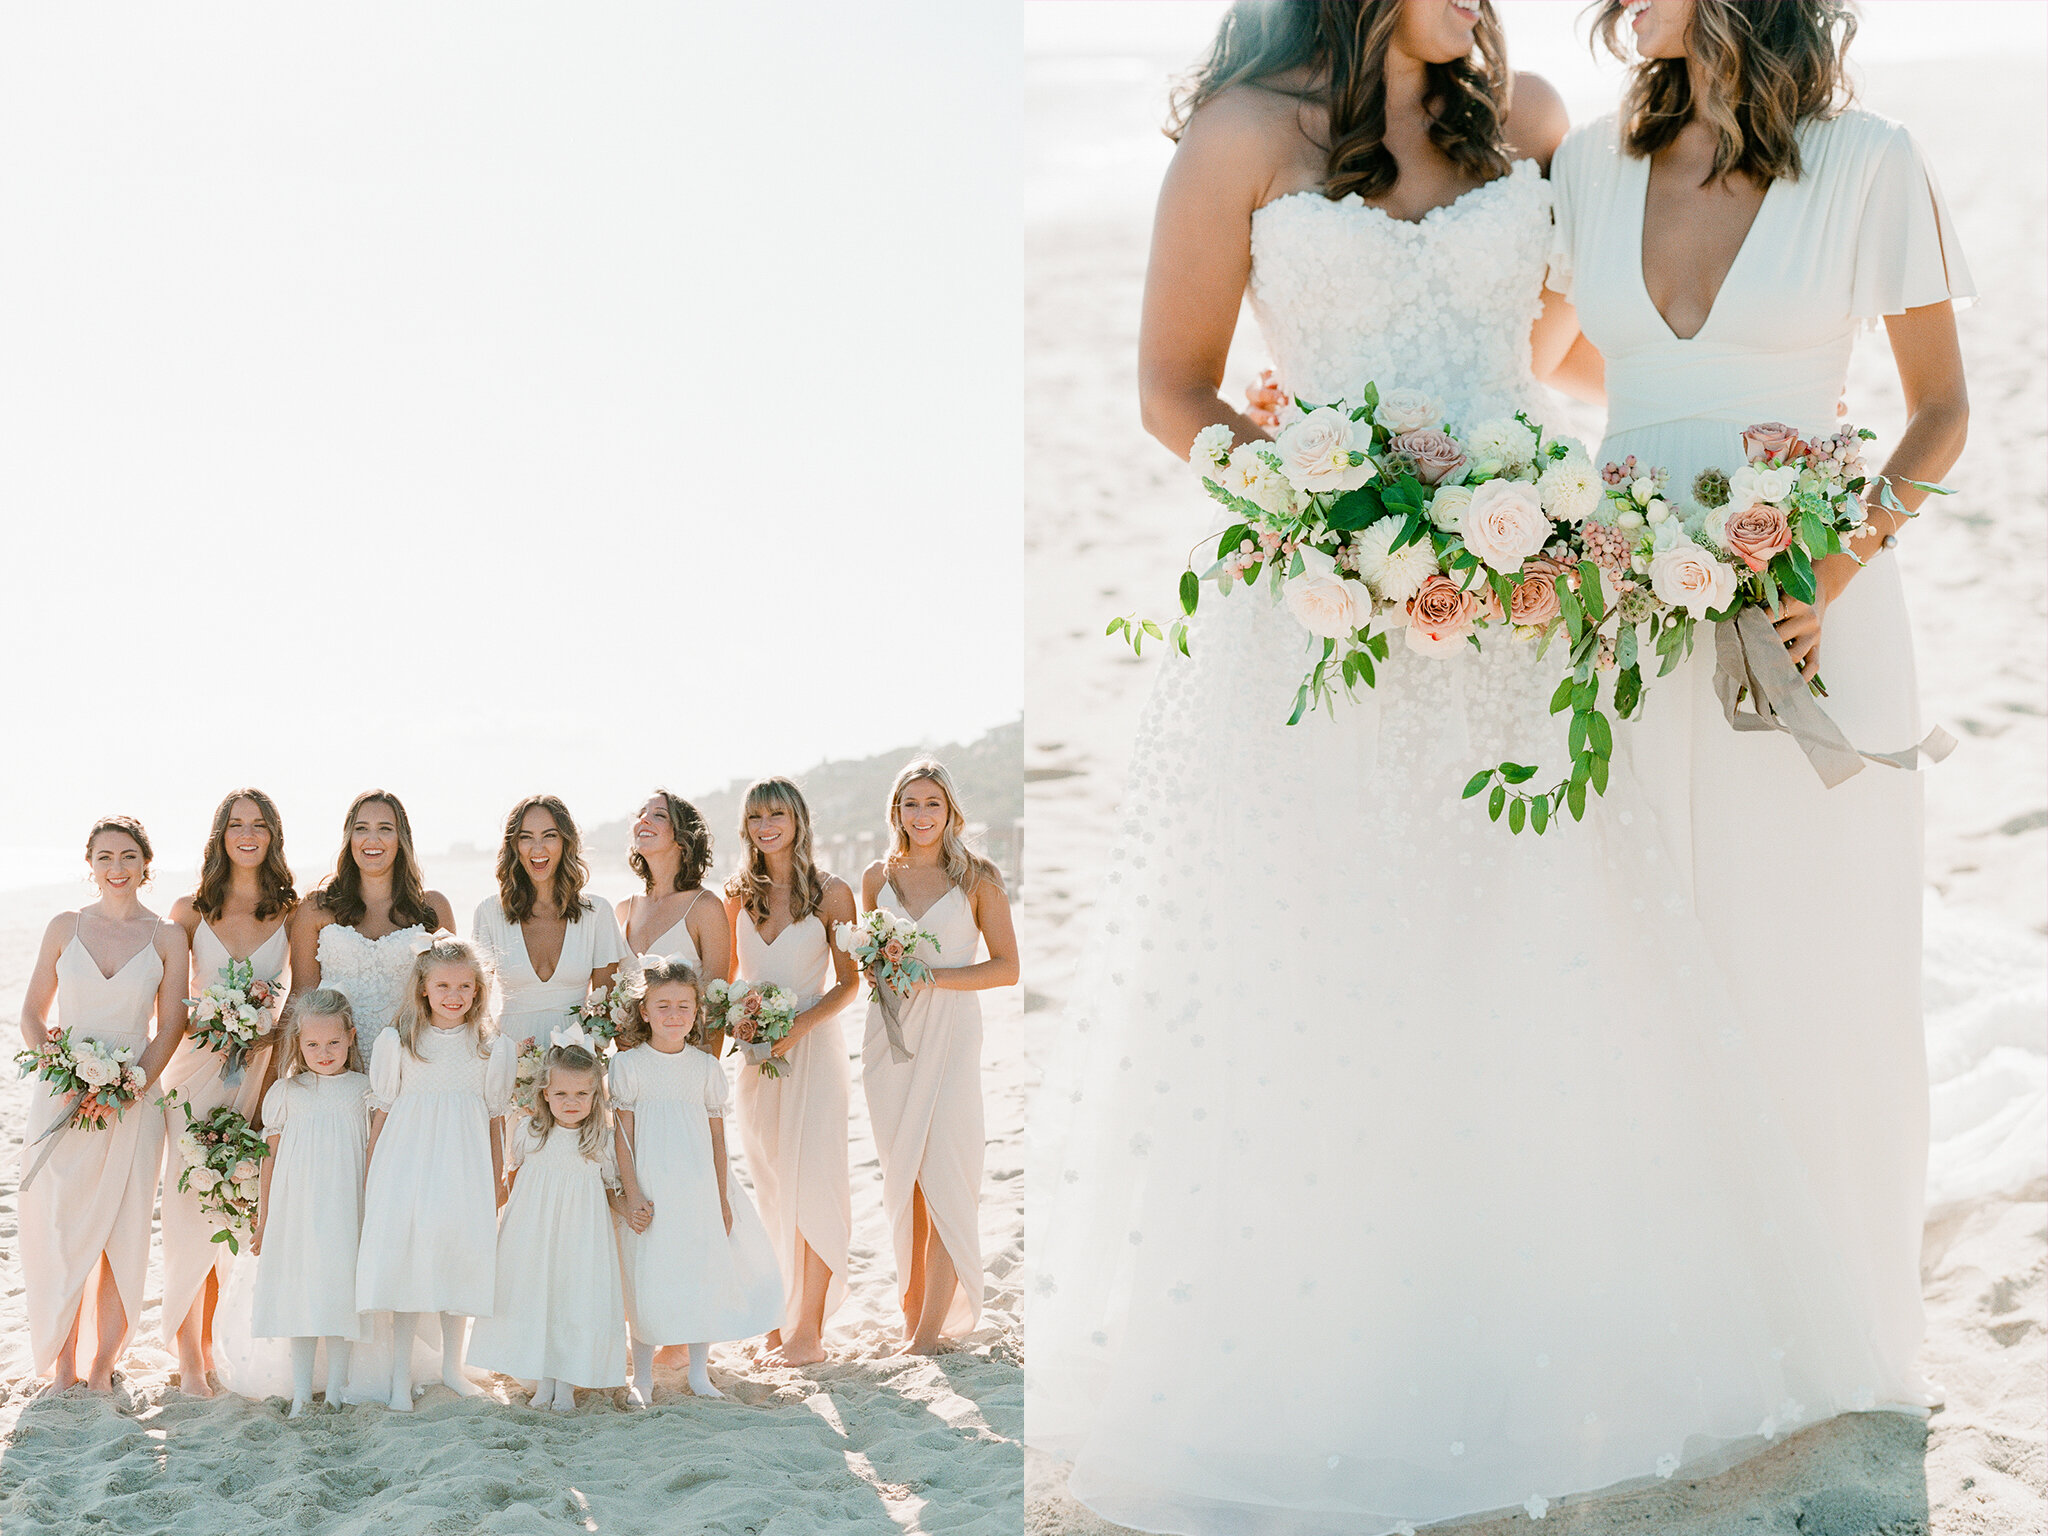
{"points": [[865, 1442], [1109, 514]]}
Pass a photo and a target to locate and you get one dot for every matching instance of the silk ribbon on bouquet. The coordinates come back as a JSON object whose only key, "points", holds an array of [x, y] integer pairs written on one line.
{"points": [[892, 1018], [1749, 657], [48, 1140]]}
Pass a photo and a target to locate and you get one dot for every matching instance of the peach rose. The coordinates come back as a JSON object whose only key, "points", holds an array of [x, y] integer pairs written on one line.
{"points": [[1440, 614], [1535, 600], [1504, 524], [1768, 440], [1436, 455], [1756, 533]]}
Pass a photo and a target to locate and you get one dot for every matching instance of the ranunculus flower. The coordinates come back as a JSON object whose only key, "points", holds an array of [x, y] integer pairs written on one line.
{"points": [[1505, 524], [1324, 600], [1535, 600], [1688, 577], [1315, 453], [1436, 455], [1756, 533], [1440, 615], [1768, 440], [1408, 410]]}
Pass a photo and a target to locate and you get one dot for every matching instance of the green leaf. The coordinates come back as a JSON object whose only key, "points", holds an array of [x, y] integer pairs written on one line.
{"points": [[1231, 537], [1355, 509], [1365, 665], [1300, 705], [1370, 398], [1600, 775], [1599, 736], [1411, 530], [1585, 693], [1153, 630], [1113, 626], [1800, 582], [1628, 691], [1539, 813], [1517, 773], [1625, 648], [1476, 783], [1589, 590], [1576, 737], [1561, 700], [1180, 639], [1517, 813], [1494, 802], [1575, 797], [1190, 591], [1377, 644]]}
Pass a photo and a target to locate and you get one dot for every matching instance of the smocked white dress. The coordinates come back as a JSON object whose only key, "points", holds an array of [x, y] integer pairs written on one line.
{"points": [[559, 1310], [927, 1112], [794, 1127], [533, 1007], [306, 1274], [1832, 974], [190, 1253], [430, 1210], [687, 1280], [94, 1194]]}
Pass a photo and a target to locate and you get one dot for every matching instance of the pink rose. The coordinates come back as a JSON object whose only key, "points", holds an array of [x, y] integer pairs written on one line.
{"points": [[1535, 600], [1436, 455], [1504, 524], [893, 950], [1756, 533], [1440, 614], [1768, 440]]}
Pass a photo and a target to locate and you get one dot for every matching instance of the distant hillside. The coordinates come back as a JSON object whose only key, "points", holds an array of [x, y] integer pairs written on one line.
{"points": [[849, 803]]}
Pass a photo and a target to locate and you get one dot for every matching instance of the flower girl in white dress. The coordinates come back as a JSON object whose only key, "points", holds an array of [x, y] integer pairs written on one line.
{"points": [[440, 1078], [310, 1211], [699, 1265]]}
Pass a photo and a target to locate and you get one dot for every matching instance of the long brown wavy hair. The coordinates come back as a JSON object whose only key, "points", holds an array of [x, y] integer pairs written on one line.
{"points": [[342, 892], [596, 1128], [1770, 65], [416, 1014], [275, 892], [751, 884], [964, 867], [1343, 45], [516, 890], [693, 840]]}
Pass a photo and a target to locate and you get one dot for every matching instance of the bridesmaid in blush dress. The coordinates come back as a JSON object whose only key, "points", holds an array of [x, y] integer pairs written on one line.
{"points": [[238, 913], [85, 1211], [1723, 281], [675, 917], [549, 942], [926, 1107], [793, 1127]]}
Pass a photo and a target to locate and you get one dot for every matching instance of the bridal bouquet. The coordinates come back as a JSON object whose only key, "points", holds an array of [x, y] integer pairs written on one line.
{"points": [[223, 1156], [231, 1015], [102, 1079], [756, 1014]]}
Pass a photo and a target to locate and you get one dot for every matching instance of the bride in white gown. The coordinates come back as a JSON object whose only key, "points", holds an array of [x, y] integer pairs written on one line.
{"points": [[1389, 1168]]}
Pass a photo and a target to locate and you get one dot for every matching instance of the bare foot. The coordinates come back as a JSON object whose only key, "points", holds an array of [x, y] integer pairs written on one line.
{"points": [[104, 1382], [192, 1379], [66, 1376], [938, 1346], [796, 1352]]}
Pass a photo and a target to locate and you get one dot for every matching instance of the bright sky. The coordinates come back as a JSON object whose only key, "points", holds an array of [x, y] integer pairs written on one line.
{"points": [[481, 397]]}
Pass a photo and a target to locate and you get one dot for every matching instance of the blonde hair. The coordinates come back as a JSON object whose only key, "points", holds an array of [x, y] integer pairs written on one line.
{"points": [[751, 884], [320, 1003], [1770, 65], [663, 972], [415, 1013], [596, 1128], [964, 867]]}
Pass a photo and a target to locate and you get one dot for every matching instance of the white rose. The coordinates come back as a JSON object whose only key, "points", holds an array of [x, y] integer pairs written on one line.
{"points": [[1447, 507], [1408, 410], [1570, 490], [245, 1169], [208, 1009], [249, 1189], [1394, 574], [96, 1071], [1501, 445], [1505, 524], [846, 936], [1714, 527], [1754, 483], [204, 1180], [1316, 452], [1325, 602], [1644, 489], [1689, 577], [1212, 448]]}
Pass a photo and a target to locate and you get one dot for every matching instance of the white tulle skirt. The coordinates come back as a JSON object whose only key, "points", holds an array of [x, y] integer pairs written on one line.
{"points": [[1393, 1168]]}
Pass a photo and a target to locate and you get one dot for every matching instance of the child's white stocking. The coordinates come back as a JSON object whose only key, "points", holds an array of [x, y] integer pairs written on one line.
{"points": [[454, 1340], [700, 1371], [302, 1374]]}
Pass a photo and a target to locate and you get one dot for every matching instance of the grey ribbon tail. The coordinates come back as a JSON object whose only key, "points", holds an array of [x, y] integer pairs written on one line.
{"points": [[48, 1140], [1749, 658], [892, 1020]]}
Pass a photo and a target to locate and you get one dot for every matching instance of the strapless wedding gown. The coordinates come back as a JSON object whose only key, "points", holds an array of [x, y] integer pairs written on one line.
{"points": [[1390, 1168], [370, 973]]}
